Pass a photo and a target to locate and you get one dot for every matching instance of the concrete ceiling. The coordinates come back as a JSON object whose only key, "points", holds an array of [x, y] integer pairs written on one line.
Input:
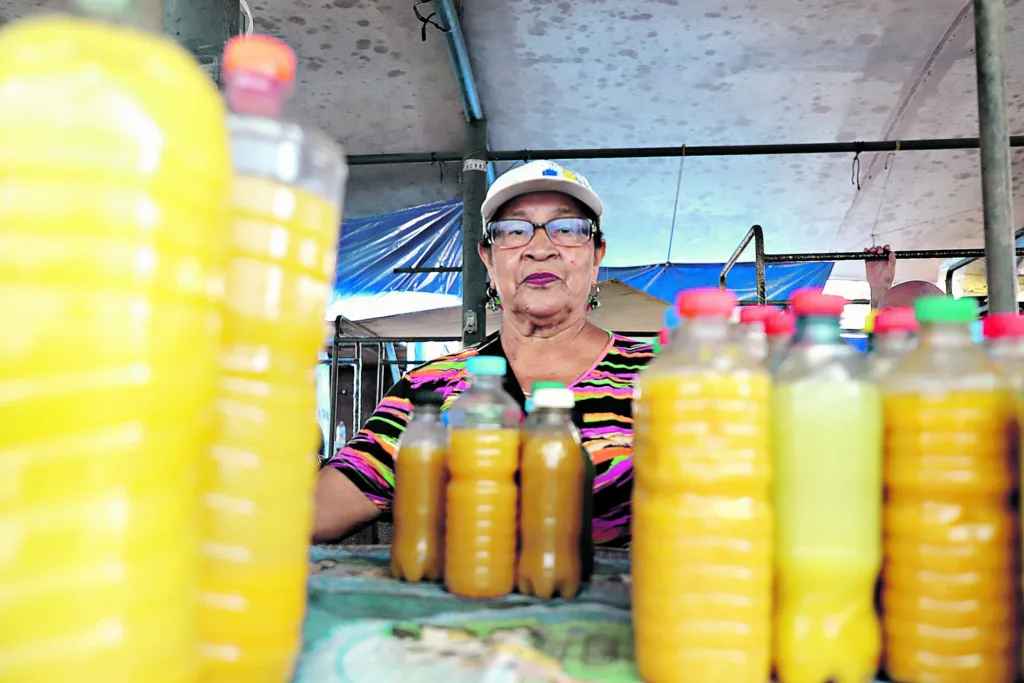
{"points": [[605, 73]]}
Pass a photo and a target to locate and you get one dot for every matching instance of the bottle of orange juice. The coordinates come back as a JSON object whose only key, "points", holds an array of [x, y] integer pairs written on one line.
{"points": [[702, 518], [950, 577], [750, 332], [114, 175], [556, 487], [895, 333], [480, 534], [421, 475], [257, 484], [827, 451]]}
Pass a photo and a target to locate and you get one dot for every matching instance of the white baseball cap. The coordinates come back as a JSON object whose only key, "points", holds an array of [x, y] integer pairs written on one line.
{"points": [[539, 176]]}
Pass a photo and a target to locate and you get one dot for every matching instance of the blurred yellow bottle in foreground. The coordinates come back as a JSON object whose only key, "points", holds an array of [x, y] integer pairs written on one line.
{"points": [[114, 172], [257, 484]]}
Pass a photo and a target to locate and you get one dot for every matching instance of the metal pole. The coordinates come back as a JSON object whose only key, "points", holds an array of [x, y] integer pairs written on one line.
{"points": [[676, 151], [996, 193], [203, 27], [474, 274], [861, 256]]}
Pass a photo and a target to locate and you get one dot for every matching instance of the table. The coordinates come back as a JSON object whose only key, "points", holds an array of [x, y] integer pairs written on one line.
{"points": [[364, 627]]}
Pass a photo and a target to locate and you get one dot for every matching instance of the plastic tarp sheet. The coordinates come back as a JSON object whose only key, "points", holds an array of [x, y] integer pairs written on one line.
{"points": [[372, 248]]}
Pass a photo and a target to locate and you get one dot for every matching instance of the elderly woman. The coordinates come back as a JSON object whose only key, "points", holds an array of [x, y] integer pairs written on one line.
{"points": [[542, 245]]}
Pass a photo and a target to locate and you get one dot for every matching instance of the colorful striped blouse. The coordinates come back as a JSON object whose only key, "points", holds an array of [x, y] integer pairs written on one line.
{"points": [[603, 414]]}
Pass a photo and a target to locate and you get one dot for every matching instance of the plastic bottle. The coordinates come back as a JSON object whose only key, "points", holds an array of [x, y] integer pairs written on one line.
{"points": [[1004, 340], [480, 538], [661, 343], [779, 330], [895, 333], [950, 580], [554, 493], [114, 176], [537, 386], [750, 332], [702, 520], [827, 451], [257, 486], [421, 475]]}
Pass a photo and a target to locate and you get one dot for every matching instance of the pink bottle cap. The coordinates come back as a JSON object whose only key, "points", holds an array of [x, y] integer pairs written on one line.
{"points": [[900, 319], [757, 314], [258, 74], [706, 302], [781, 325], [815, 302], [1002, 326]]}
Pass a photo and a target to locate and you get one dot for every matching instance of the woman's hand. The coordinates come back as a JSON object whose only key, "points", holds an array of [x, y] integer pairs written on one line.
{"points": [[880, 274]]}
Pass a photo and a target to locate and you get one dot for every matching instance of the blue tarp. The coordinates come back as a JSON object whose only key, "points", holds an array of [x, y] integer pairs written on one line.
{"points": [[371, 248]]}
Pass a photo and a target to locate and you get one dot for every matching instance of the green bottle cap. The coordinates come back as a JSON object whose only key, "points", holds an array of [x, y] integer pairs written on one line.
{"points": [[547, 384], [944, 309]]}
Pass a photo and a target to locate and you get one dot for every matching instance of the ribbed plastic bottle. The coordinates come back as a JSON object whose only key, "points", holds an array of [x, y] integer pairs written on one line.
{"points": [[257, 484], [480, 537], [1004, 341], [421, 475], [114, 177], [827, 451], [555, 499], [895, 333], [702, 519], [750, 332], [779, 330], [950, 579]]}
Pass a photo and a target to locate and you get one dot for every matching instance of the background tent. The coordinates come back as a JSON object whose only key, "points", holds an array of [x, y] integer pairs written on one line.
{"points": [[430, 236]]}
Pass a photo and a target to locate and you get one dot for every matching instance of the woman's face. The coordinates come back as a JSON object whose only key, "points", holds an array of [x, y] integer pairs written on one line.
{"points": [[541, 279]]}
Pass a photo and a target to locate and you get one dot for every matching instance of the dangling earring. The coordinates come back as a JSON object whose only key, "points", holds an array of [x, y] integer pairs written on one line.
{"points": [[493, 301], [593, 302]]}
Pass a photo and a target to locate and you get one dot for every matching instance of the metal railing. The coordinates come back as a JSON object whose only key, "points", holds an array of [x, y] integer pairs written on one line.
{"points": [[756, 234]]}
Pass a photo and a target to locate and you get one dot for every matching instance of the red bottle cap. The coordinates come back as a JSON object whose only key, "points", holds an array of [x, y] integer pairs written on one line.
{"points": [[815, 302], [259, 54], [663, 337], [757, 314], [781, 325], [1002, 326], [706, 302], [899, 319]]}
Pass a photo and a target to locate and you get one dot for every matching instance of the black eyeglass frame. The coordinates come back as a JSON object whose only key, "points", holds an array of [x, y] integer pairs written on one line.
{"points": [[594, 230]]}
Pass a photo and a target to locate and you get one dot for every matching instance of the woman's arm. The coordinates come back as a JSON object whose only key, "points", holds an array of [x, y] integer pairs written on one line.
{"points": [[357, 483]]}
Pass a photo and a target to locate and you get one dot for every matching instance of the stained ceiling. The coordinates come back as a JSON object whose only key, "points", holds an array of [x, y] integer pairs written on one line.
{"points": [[616, 73]]}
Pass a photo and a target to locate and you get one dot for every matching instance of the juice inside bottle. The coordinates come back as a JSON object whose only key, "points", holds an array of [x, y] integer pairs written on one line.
{"points": [[421, 475], [114, 175], [951, 574], [553, 492], [827, 451], [257, 484], [482, 497], [702, 519]]}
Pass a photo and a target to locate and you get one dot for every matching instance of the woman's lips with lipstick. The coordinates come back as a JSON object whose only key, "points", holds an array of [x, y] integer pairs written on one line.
{"points": [[540, 279]]}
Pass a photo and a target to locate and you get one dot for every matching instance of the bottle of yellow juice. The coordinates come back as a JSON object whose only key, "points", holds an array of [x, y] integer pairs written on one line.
{"points": [[114, 172], [257, 483], [702, 518], [480, 534], [421, 476], [950, 582], [827, 450]]}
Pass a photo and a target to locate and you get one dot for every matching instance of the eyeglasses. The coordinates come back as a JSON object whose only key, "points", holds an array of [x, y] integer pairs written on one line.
{"points": [[565, 232]]}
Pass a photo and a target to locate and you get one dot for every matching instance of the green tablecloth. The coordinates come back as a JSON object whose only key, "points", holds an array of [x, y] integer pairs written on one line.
{"points": [[364, 627]]}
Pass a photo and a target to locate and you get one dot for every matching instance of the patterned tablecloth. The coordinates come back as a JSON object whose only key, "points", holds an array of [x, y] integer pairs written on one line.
{"points": [[364, 627]]}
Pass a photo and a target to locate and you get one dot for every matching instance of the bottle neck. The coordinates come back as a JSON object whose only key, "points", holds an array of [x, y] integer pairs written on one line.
{"points": [[894, 343], [146, 15], [426, 414], [941, 336], [550, 416], [817, 329], [489, 383], [703, 330]]}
